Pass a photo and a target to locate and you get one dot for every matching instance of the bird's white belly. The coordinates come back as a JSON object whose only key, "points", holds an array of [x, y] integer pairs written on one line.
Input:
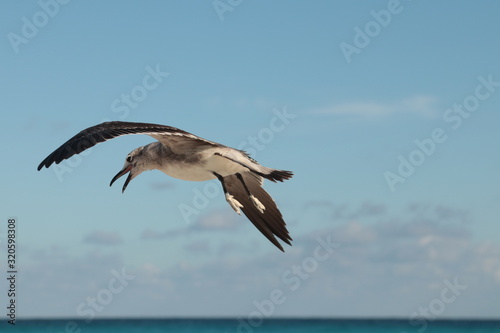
{"points": [[184, 171], [202, 171]]}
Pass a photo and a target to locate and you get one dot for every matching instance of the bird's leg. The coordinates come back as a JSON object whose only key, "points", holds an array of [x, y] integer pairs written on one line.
{"points": [[235, 204], [255, 201]]}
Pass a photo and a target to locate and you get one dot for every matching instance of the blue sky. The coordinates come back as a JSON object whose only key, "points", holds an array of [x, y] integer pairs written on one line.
{"points": [[273, 78]]}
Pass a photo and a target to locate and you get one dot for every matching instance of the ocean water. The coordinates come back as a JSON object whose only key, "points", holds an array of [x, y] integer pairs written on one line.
{"points": [[244, 326]]}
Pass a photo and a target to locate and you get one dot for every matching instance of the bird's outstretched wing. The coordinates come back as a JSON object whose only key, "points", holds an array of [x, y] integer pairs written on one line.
{"points": [[269, 222], [176, 139]]}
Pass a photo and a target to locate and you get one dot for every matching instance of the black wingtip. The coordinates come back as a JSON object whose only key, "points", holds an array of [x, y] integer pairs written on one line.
{"points": [[272, 233], [288, 242], [275, 243], [41, 165]]}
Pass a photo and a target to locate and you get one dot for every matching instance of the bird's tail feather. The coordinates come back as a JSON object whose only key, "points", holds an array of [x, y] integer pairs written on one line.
{"points": [[276, 175]]}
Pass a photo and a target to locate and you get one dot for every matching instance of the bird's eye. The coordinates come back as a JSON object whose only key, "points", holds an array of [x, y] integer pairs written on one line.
{"points": [[129, 158]]}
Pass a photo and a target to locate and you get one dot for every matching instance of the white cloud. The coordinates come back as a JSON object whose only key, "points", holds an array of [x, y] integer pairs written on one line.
{"points": [[162, 185], [380, 269], [56, 274], [198, 247], [218, 220], [420, 104], [101, 237], [224, 219], [387, 266]]}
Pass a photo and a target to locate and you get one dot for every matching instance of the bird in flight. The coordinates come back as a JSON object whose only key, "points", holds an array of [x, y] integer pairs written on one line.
{"points": [[186, 156]]}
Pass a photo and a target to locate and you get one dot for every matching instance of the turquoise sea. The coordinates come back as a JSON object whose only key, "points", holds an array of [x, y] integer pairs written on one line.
{"points": [[244, 326]]}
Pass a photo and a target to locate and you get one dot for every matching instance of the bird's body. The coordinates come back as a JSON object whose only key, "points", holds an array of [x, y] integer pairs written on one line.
{"points": [[181, 166], [194, 166], [185, 156]]}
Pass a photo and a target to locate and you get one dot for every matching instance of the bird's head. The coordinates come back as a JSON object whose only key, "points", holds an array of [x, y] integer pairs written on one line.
{"points": [[135, 164]]}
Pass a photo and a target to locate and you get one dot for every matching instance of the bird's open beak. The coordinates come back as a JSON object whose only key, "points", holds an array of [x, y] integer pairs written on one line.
{"points": [[121, 173]]}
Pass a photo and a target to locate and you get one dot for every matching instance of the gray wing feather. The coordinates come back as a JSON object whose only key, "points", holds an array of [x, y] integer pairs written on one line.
{"points": [[172, 137]]}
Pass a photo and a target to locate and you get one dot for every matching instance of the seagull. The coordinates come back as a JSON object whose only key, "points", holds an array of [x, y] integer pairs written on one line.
{"points": [[185, 156]]}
